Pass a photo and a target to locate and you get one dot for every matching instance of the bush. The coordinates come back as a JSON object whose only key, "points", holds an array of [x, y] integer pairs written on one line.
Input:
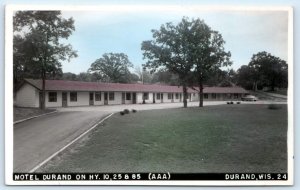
{"points": [[238, 102], [273, 107], [231, 102], [122, 113], [133, 110], [126, 111], [228, 102]]}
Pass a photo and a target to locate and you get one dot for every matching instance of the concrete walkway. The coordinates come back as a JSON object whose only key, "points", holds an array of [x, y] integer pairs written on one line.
{"points": [[117, 108]]}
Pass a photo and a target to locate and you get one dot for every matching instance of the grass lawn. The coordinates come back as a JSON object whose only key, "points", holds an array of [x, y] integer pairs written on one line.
{"points": [[226, 138], [23, 113]]}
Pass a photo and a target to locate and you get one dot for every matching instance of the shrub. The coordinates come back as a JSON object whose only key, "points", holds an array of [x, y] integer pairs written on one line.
{"points": [[122, 113], [133, 110], [126, 111], [228, 102], [273, 107], [231, 102], [238, 102]]}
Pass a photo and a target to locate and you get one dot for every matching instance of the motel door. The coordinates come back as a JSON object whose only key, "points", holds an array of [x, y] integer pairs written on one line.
{"points": [[161, 97], [134, 98], [123, 97], [105, 98], [64, 99], [91, 98]]}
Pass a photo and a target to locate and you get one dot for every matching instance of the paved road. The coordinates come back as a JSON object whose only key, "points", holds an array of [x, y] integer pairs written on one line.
{"points": [[37, 139]]}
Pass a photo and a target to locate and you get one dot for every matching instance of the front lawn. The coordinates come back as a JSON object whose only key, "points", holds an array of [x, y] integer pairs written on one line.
{"points": [[226, 138], [23, 113]]}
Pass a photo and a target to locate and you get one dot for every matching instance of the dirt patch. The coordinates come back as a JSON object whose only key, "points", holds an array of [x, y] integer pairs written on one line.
{"points": [[23, 113]]}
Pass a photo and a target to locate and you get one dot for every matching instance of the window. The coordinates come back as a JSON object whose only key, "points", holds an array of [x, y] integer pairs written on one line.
{"points": [[169, 96], [73, 96], [146, 96], [236, 96], [111, 96], [128, 96], [194, 94], [158, 96], [205, 96], [97, 96], [176, 95], [214, 95], [52, 97]]}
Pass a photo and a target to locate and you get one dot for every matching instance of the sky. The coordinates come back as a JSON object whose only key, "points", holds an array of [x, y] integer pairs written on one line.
{"points": [[123, 30]]}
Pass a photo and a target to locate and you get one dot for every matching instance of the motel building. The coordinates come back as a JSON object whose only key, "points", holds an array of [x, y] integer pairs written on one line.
{"points": [[60, 93]]}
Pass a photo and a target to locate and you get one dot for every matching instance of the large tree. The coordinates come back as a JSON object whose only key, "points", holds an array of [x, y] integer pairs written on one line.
{"points": [[208, 53], [272, 70], [190, 49], [113, 67], [171, 49], [38, 49]]}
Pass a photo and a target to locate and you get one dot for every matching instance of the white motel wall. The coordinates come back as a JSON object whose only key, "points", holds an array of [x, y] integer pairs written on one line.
{"points": [[29, 96]]}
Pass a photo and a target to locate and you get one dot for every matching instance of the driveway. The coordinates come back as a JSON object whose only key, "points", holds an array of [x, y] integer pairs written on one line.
{"points": [[37, 139]]}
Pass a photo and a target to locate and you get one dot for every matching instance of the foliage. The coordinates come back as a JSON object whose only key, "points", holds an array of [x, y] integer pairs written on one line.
{"points": [[113, 67], [165, 77], [190, 50], [208, 52], [264, 69], [126, 111], [246, 77], [37, 48], [272, 71]]}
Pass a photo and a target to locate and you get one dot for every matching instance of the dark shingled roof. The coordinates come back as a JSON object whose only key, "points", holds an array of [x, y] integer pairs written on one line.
{"points": [[63, 85]]}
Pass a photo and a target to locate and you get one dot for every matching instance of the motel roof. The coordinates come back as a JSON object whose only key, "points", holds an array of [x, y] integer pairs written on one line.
{"points": [[63, 85]]}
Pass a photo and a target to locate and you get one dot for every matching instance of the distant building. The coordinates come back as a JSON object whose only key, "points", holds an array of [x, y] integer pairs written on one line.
{"points": [[60, 93]]}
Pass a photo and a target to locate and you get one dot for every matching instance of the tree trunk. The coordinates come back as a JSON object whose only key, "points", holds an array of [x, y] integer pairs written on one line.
{"points": [[43, 106], [184, 88], [255, 86], [273, 85], [200, 94]]}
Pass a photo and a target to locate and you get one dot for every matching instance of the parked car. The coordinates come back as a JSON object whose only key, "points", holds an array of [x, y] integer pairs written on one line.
{"points": [[249, 98]]}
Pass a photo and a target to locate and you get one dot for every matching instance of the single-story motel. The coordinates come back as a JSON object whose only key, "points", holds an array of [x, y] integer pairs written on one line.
{"points": [[61, 93]]}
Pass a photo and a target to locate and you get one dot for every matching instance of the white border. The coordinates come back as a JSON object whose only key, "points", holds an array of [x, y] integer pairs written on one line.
{"points": [[9, 89]]}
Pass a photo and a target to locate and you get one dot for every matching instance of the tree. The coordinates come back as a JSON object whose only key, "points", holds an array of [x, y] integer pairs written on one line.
{"points": [[189, 49], [112, 67], [84, 76], [165, 77], [207, 52], [39, 50], [69, 76], [247, 78], [171, 49], [144, 75], [270, 70]]}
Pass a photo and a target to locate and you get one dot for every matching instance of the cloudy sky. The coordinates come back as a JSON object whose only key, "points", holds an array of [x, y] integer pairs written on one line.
{"points": [[246, 32]]}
